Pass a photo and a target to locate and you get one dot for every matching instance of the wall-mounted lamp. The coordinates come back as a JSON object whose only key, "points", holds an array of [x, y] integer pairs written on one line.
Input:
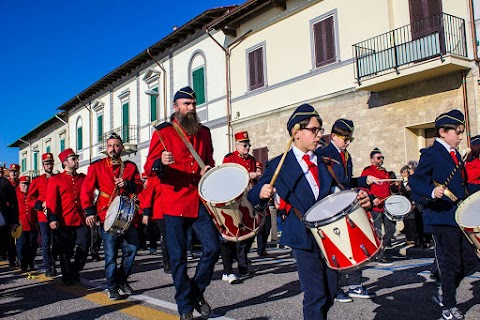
{"points": [[151, 92]]}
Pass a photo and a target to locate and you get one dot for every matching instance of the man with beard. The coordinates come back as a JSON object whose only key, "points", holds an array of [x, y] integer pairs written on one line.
{"points": [[65, 215], [112, 177], [179, 174], [14, 174], [37, 195]]}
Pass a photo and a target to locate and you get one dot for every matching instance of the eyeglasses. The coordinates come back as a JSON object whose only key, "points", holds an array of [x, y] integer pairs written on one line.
{"points": [[247, 145], [380, 158], [346, 138], [315, 130]]}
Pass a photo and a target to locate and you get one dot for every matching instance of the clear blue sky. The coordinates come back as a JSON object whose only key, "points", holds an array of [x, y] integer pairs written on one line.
{"points": [[52, 50]]}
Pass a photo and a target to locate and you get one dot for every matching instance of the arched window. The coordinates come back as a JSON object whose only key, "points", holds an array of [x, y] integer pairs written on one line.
{"points": [[79, 134], [198, 76]]}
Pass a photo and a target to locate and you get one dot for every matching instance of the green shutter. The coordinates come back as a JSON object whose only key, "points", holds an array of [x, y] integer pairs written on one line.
{"points": [[100, 127], [24, 164], [79, 138], [125, 124], [153, 106], [62, 145], [199, 84], [47, 149], [35, 161]]}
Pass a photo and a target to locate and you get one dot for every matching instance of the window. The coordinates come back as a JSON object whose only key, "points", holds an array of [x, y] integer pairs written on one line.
{"points": [[62, 144], [324, 42], [99, 127], [24, 163], [154, 106], [198, 80], [420, 10], [125, 122], [79, 134], [35, 160], [47, 149], [256, 68]]}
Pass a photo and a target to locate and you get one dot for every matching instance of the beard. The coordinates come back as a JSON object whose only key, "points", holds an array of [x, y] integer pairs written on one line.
{"points": [[189, 122]]}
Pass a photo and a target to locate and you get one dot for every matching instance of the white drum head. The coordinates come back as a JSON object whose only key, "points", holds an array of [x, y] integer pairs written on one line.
{"points": [[224, 183], [467, 214], [398, 205], [111, 213], [331, 206]]}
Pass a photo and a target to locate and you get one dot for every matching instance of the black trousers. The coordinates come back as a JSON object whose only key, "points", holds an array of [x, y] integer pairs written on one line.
{"points": [[72, 242], [262, 235], [162, 229], [7, 243]]}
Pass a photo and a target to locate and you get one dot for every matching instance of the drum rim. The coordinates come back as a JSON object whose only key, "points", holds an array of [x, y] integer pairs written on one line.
{"points": [[472, 197], [385, 209], [223, 165], [342, 213]]}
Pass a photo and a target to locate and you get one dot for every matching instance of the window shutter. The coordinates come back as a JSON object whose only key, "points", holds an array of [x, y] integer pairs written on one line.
{"points": [[420, 10], [99, 127], [47, 149], [261, 155], [198, 79], [255, 67], [79, 138], [153, 106], [62, 145], [324, 42], [24, 164], [125, 123]]}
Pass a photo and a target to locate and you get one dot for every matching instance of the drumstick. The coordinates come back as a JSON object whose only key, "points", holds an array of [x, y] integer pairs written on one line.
{"points": [[388, 180], [280, 164], [458, 166]]}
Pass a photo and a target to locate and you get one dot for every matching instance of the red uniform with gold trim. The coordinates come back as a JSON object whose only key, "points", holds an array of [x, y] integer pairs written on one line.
{"points": [[63, 199], [150, 201], [26, 214], [37, 194], [380, 191], [100, 176], [179, 181], [247, 161]]}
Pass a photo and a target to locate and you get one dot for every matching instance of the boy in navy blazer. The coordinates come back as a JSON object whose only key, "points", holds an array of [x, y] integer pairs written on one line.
{"points": [[300, 184], [438, 179]]}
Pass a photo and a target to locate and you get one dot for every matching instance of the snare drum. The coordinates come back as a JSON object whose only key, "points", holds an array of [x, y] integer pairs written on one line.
{"points": [[397, 207], [468, 219], [343, 230], [119, 215], [223, 191]]}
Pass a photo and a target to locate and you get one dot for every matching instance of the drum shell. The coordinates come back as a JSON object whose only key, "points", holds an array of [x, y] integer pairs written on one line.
{"points": [[234, 218], [123, 214], [471, 231], [397, 217]]}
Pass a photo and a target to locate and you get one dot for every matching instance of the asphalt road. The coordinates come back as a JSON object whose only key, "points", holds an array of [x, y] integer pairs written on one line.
{"points": [[404, 291]]}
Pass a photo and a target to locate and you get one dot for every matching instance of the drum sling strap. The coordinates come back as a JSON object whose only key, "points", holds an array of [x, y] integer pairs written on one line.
{"points": [[328, 162], [189, 146], [112, 196]]}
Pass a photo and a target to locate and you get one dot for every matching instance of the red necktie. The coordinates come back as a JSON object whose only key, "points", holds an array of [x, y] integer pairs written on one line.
{"points": [[342, 154], [312, 168], [453, 153]]}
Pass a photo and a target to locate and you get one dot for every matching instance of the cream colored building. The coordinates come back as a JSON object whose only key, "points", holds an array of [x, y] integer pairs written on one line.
{"points": [[390, 66]]}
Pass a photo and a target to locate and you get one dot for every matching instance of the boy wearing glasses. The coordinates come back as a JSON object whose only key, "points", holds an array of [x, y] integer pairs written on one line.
{"points": [[379, 193], [442, 191], [340, 161], [302, 181]]}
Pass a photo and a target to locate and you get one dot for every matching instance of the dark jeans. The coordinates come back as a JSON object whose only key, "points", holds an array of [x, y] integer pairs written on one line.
{"points": [[229, 253], [152, 234], [243, 248], [95, 240], [262, 235], [163, 240], [458, 259], [410, 229], [378, 219], [318, 282], [128, 242], [189, 291], [47, 245], [27, 246], [72, 242]]}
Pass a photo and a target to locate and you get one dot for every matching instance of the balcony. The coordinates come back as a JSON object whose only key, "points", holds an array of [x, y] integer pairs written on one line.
{"points": [[129, 136], [427, 49]]}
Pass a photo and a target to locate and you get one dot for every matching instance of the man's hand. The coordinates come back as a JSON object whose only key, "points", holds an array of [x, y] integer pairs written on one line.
{"points": [[119, 182], [167, 158], [372, 179], [438, 192], [44, 204], [252, 175], [267, 191], [145, 220], [204, 170], [376, 202], [53, 225], [364, 199], [90, 221]]}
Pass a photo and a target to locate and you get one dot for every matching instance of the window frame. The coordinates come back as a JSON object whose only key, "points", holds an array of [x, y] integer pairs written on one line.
{"points": [[252, 49], [331, 14]]}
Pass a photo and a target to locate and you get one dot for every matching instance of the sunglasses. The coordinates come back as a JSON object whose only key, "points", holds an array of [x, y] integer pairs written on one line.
{"points": [[380, 158], [246, 145], [315, 130], [346, 138]]}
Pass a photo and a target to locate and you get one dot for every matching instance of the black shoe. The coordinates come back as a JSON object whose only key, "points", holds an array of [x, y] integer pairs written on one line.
{"points": [[126, 288], [186, 316], [203, 307], [51, 272], [167, 269], [113, 294], [263, 254], [96, 257], [13, 264], [452, 313], [384, 262], [68, 282]]}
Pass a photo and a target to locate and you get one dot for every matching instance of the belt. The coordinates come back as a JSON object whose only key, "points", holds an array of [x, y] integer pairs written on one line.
{"points": [[103, 194]]}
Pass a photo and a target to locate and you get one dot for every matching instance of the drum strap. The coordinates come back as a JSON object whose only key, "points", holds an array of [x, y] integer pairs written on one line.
{"points": [[114, 193], [334, 176], [189, 146]]}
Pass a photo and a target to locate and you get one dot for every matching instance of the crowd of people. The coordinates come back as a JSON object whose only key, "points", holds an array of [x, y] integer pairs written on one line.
{"points": [[69, 214]]}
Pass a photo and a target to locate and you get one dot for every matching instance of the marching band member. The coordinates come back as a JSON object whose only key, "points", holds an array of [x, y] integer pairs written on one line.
{"points": [[112, 177], [300, 184], [14, 174], [379, 193], [37, 195], [472, 166], [66, 217], [179, 174], [435, 168], [27, 244], [340, 161], [8, 219]]}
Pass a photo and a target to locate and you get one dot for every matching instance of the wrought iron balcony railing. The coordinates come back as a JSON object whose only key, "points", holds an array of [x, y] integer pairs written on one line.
{"points": [[129, 135], [423, 40]]}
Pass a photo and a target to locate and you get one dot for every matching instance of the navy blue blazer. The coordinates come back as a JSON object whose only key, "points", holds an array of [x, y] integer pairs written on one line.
{"points": [[436, 163], [293, 187]]}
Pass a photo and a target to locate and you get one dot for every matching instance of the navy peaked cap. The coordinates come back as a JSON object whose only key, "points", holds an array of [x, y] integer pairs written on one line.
{"points": [[452, 117], [344, 124], [305, 111], [185, 92]]}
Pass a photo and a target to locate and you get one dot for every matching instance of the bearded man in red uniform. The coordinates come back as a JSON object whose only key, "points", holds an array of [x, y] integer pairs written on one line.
{"points": [[112, 177], [37, 194], [379, 192], [14, 174], [66, 217], [27, 243], [179, 174]]}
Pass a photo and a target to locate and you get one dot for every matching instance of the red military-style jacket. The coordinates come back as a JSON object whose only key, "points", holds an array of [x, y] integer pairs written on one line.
{"points": [[100, 176], [63, 199], [37, 194], [179, 181], [150, 201], [26, 214], [380, 191], [247, 161]]}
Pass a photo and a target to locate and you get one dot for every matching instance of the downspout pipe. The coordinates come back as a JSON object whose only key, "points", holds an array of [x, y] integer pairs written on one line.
{"points": [[465, 106], [164, 85], [473, 31], [90, 128]]}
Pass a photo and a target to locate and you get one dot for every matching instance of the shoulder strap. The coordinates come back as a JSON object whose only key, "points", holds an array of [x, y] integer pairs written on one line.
{"points": [[189, 146]]}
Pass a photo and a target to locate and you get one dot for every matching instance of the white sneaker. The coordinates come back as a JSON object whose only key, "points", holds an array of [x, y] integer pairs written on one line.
{"points": [[232, 278], [225, 277]]}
